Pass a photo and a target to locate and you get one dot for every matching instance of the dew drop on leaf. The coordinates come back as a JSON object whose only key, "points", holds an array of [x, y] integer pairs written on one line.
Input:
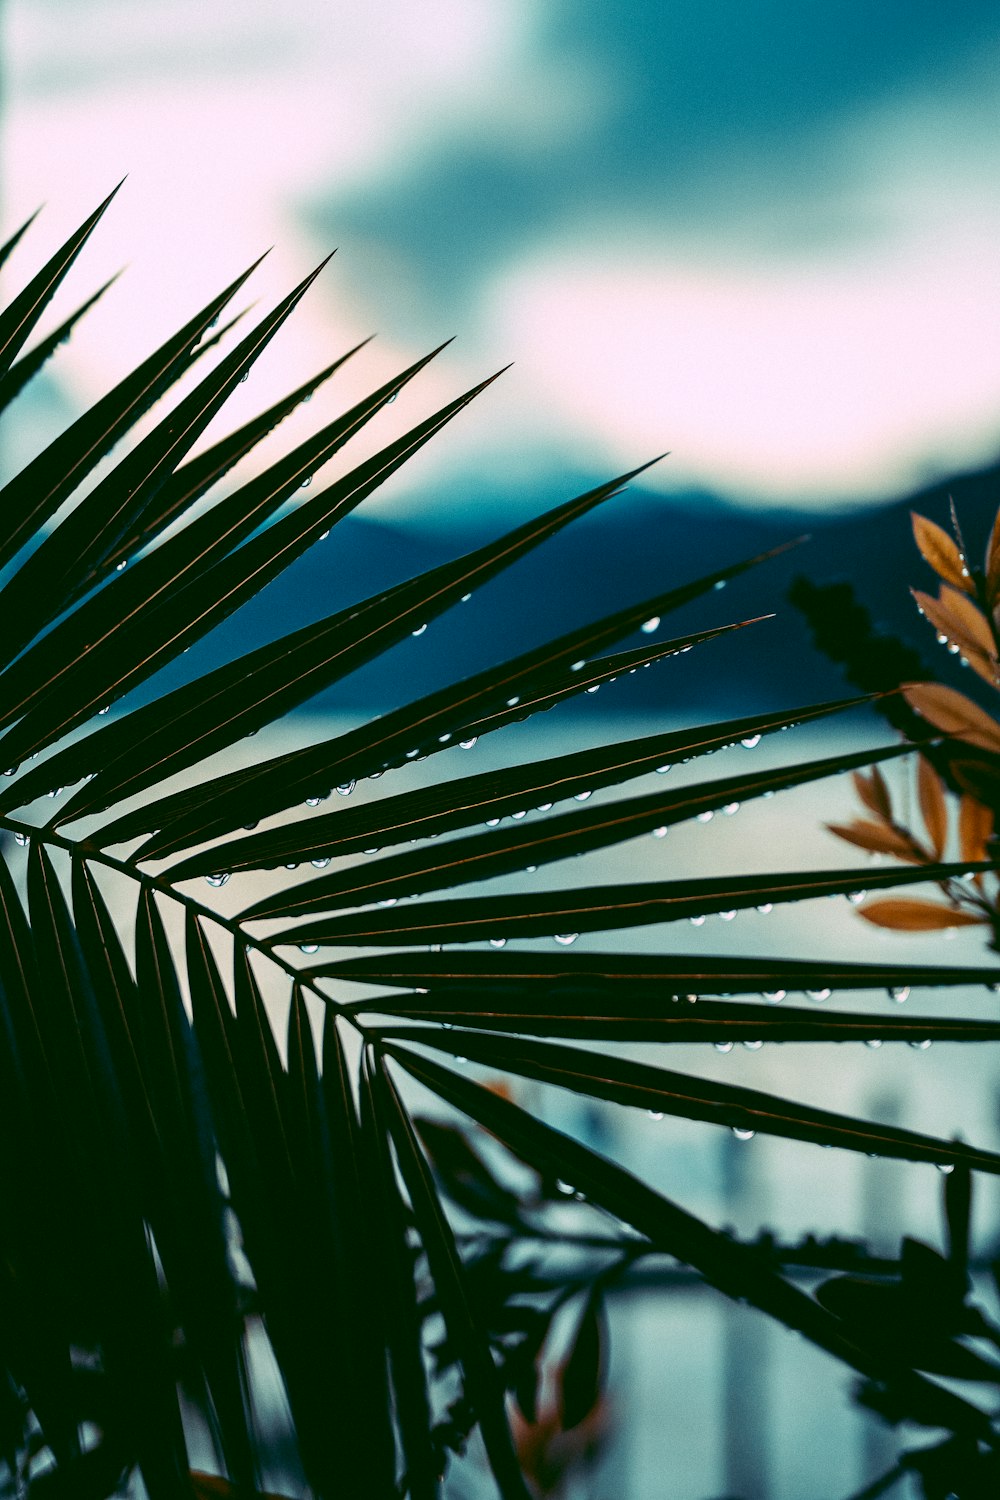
{"points": [[498, 942], [775, 997], [743, 1135], [697, 921], [751, 742], [419, 630], [217, 880], [648, 626], [819, 994], [468, 744], [565, 938], [723, 1046], [873, 1041], [309, 947], [899, 993]]}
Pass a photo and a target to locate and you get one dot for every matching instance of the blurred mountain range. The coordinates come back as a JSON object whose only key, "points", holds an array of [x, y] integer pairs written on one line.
{"points": [[632, 547]]}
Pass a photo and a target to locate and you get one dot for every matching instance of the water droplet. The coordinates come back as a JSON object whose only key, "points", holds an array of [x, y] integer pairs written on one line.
{"points": [[856, 897], [513, 702], [313, 801], [391, 399], [753, 1046], [468, 744], [55, 792], [719, 583], [819, 994], [648, 626], [291, 867], [655, 1114], [595, 687], [899, 993], [244, 377], [320, 862], [691, 999], [659, 833], [662, 770], [953, 648], [544, 807], [322, 536], [20, 838], [443, 739], [217, 880], [389, 901], [346, 788], [946, 1167], [578, 666], [309, 947], [249, 827], [751, 742], [420, 629], [565, 1188], [120, 567], [12, 772], [306, 482], [774, 997], [922, 1045], [522, 813], [465, 598], [412, 754], [765, 909], [743, 1135], [105, 710], [697, 921], [873, 1041], [581, 796], [498, 942], [727, 916], [706, 816], [942, 640], [730, 808], [492, 822], [565, 938], [723, 1046], [530, 869]]}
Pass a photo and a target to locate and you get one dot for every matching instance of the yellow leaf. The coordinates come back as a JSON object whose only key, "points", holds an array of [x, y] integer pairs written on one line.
{"points": [[933, 809], [953, 713], [940, 551], [873, 792], [917, 916], [877, 838], [975, 824]]}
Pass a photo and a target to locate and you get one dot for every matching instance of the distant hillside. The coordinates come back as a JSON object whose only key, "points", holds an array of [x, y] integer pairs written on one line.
{"points": [[632, 547]]}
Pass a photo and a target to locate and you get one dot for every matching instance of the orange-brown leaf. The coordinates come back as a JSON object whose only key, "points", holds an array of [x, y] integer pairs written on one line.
{"points": [[964, 630], [993, 561], [933, 808], [877, 838], [975, 824], [940, 551], [953, 713], [977, 627], [874, 793], [917, 916]]}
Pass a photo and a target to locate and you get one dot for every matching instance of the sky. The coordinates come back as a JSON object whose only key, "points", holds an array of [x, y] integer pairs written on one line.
{"points": [[760, 236]]}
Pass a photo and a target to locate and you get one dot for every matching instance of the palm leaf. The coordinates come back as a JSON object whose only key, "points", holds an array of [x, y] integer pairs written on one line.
{"points": [[738, 1270], [28, 366], [587, 909], [624, 1081], [485, 856]]}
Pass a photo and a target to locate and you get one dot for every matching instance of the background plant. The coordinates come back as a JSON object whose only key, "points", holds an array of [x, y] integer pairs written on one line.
{"points": [[184, 1190]]}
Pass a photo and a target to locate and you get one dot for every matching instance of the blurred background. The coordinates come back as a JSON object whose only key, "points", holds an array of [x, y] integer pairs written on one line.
{"points": [[762, 238]]}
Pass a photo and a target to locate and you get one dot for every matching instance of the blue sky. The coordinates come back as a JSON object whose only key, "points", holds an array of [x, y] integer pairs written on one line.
{"points": [[761, 236]]}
